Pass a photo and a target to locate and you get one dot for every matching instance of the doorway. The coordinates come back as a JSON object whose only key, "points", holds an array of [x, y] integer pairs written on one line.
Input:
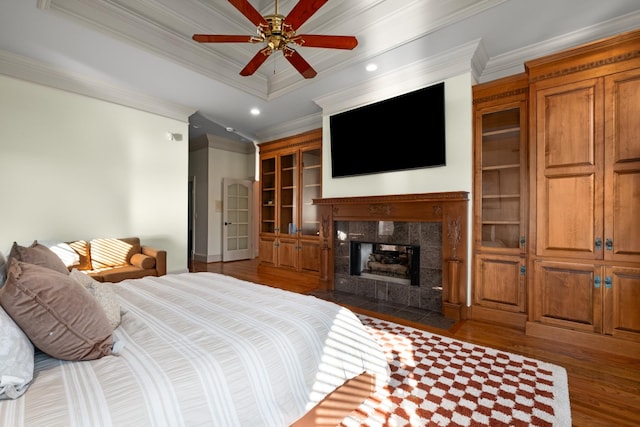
{"points": [[236, 221]]}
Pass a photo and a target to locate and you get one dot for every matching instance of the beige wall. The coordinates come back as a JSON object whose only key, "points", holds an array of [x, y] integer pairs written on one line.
{"points": [[73, 167]]}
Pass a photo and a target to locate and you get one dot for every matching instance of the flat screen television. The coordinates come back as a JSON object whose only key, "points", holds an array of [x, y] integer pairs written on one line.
{"points": [[400, 133]]}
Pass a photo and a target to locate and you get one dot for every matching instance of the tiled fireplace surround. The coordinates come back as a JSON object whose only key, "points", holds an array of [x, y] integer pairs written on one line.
{"points": [[427, 235], [435, 221]]}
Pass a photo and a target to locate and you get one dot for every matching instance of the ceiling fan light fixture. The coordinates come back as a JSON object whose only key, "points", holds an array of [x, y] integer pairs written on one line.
{"points": [[278, 31]]}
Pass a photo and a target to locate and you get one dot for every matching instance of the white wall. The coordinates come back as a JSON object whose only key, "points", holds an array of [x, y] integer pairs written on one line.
{"points": [[74, 167], [457, 175]]}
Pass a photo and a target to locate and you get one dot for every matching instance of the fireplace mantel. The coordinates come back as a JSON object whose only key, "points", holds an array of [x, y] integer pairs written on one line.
{"points": [[450, 209]]}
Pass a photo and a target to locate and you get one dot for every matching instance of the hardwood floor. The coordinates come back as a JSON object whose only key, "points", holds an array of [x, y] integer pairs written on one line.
{"points": [[604, 388]]}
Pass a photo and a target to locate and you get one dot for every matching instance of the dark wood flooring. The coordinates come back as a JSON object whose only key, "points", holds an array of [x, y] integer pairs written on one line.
{"points": [[604, 388]]}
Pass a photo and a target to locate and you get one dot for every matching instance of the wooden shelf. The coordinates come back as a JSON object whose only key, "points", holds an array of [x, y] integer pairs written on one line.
{"points": [[501, 196], [500, 167], [515, 129], [500, 222]]}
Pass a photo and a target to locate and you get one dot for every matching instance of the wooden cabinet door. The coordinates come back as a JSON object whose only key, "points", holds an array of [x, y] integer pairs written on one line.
{"points": [[569, 152], [568, 295], [267, 250], [310, 255], [500, 179], [622, 170], [288, 253], [500, 282], [622, 299]]}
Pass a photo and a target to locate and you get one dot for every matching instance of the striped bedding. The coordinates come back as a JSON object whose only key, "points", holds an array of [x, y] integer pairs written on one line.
{"points": [[204, 349]]}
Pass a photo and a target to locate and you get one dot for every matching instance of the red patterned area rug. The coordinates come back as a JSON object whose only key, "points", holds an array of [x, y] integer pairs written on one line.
{"points": [[439, 381]]}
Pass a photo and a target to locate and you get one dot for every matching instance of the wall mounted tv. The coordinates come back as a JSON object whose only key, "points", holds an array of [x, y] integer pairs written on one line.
{"points": [[400, 133]]}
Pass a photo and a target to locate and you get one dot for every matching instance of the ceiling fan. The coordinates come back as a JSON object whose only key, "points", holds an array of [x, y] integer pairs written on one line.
{"points": [[279, 32]]}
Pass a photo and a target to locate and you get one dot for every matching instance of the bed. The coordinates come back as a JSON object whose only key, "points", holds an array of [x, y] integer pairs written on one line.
{"points": [[207, 349]]}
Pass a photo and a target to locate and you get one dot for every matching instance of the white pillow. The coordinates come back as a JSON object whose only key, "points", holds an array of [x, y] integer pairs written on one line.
{"points": [[65, 252], [16, 358], [103, 292]]}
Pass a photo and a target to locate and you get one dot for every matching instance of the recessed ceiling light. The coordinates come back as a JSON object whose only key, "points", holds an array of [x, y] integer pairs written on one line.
{"points": [[371, 67], [230, 129], [255, 111]]}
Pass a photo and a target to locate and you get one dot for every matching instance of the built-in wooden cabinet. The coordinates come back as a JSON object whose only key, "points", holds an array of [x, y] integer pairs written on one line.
{"points": [[557, 196], [589, 298], [290, 178], [585, 192], [500, 200]]}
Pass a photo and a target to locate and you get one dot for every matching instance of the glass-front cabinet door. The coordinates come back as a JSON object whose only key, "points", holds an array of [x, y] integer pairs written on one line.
{"points": [[268, 186], [502, 157], [311, 189], [288, 221]]}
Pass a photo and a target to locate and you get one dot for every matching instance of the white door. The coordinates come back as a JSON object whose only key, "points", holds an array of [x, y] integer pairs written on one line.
{"points": [[236, 229]]}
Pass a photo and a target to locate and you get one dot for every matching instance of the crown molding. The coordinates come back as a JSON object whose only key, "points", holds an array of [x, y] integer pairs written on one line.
{"points": [[157, 27], [291, 127], [512, 62], [403, 80], [221, 143], [113, 19], [28, 69]]}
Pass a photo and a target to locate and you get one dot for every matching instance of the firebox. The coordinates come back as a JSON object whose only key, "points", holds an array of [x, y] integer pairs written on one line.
{"points": [[390, 262]]}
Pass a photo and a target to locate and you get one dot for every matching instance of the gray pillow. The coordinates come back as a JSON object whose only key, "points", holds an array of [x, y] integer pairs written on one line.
{"points": [[59, 316], [16, 358], [39, 255]]}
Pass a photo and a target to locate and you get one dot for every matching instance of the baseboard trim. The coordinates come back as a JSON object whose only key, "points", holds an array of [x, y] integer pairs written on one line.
{"points": [[207, 258], [605, 343], [485, 314]]}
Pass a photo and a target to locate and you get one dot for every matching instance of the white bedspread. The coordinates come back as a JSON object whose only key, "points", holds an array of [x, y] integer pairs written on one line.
{"points": [[204, 349]]}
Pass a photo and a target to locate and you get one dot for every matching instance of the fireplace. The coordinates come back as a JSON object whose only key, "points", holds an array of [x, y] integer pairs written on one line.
{"points": [[383, 261], [434, 222], [421, 242]]}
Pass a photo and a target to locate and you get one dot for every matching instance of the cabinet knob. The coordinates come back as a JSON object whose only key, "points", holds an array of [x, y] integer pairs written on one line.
{"points": [[608, 244], [597, 282], [608, 282], [598, 244]]}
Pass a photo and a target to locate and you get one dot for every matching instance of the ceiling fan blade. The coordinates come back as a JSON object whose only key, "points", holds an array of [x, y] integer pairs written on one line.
{"points": [[331, 42], [256, 62], [249, 11], [299, 63], [211, 38], [303, 11]]}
